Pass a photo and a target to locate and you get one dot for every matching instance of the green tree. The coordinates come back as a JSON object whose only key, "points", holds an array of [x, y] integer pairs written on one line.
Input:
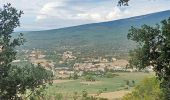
{"points": [[153, 50], [110, 75], [15, 80], [75, 76], [75, 96], [89, 78], [84, 93], [148, 89]]}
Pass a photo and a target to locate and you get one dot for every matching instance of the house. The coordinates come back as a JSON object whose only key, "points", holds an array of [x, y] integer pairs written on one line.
{"points": [[68, 55]]}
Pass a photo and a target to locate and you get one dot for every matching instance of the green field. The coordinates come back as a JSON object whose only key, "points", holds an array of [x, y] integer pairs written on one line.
{"points": [[107, 84]]}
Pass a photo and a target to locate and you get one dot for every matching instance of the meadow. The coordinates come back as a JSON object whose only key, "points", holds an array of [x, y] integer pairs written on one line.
{"points": [[101, 85]]}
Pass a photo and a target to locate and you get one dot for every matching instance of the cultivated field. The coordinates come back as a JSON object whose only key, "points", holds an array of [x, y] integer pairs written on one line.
{"points": [[111, 88]]}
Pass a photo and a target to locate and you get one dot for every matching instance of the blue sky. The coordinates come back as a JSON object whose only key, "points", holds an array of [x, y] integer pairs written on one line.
{"points": [[52, 14]]}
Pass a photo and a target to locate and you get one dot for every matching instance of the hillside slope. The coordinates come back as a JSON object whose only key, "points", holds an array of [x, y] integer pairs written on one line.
{"points": [[106, 37]]}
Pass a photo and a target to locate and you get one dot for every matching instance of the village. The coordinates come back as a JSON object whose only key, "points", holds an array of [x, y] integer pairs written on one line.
{"points": [[97, 65]]}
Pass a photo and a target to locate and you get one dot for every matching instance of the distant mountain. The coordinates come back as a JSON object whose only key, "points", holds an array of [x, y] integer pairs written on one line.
{"points": [[106, 37]]}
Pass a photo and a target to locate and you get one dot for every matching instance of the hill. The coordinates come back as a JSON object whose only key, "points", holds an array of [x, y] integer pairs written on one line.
{"points": [[102, 38]]}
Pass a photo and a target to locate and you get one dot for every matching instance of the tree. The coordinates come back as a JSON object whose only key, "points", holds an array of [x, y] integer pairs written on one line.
{"points": [[148, 89], [109, 75], [75, 76], [15, 80], [123, 2], [153, 50], [89, 78]]}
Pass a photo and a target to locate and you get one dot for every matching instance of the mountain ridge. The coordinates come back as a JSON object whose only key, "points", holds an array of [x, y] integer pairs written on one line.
{"points": [[100, 22], [103, 38]]}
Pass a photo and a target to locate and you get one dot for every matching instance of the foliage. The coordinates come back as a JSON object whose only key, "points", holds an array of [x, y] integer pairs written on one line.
{"points": [[15, 80], [127, 82], [123, 2], [103, 99], [83, 40], [89, 78], [110, 75], [133, 83], [45, 96], [148, 89], [59, 96], [86, 97], [107, 84], [84, 93], [99, 92], [89, 98], [75, 76], [75, 96], [153, 50]]}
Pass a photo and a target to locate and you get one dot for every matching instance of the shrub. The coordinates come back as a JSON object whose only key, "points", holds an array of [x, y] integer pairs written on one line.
{"points": [[84, 93], [89, 78], [58, 96], [103, 99], [109, 75], [90, 98], [99, 92], [148, 89], [75, 76], [75, 96], [105, 89]]}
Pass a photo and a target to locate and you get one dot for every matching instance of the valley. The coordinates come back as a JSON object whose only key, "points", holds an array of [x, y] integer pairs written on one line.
{"points": [[90, 58]]}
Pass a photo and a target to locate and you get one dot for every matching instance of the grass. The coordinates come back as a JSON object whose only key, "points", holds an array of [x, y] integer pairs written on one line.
{"points": [[110, 84]]}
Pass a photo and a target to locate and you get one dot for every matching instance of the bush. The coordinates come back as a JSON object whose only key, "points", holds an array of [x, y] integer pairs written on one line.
{"points": [[84, 93], [148, 89], [105, 89], [99, 92], [103, 99], [89, 78], [75, 96], [127, 82], [133, 83], [75, 76], [90, 98], [58, 96], [109, 75]]}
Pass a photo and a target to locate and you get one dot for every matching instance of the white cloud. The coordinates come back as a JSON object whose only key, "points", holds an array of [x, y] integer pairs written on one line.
{"points": [[46, 14], [115, 14], [61, 10], [50, 9]]}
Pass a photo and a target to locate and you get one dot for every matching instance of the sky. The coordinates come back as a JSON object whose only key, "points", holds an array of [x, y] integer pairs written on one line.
{"points": [[53, 14]]}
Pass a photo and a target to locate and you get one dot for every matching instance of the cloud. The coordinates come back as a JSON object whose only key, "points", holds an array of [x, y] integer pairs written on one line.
{"points": [[63, 10], [50, 9], [46, 14]]}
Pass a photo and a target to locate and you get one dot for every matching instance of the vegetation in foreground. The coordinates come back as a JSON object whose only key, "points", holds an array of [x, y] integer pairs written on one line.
{"points": [[148, 89], [153, 50], [15, 80]]}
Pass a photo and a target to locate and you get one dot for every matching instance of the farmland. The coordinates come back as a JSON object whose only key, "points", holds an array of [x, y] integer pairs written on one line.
{"points": [[102, 85]]}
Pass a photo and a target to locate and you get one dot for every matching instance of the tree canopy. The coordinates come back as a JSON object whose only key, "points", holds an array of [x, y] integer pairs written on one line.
{"points": [[16, 80], [123, 2], [148, 89], [153, 50]]}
